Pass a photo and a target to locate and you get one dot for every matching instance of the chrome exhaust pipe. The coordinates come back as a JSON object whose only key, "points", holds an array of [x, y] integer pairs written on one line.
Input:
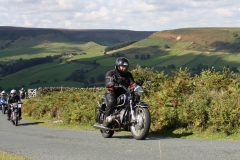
{"points": [[99, 126]]}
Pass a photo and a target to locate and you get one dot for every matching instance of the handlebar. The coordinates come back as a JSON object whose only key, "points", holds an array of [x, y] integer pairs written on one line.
{"points": [[121, 86]]}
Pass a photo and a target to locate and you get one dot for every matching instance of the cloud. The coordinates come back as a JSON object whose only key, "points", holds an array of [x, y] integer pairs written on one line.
{"points": [[145, 15]]}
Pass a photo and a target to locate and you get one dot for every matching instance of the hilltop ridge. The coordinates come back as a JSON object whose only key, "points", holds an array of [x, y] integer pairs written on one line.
{"points": [[78, 58], [100, 36]]}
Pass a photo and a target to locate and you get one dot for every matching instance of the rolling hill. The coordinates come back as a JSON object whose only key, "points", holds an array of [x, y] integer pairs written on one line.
{"points": [[80, 54]]}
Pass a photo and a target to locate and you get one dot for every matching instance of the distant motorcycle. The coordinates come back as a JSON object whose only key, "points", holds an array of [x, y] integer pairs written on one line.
{"points": [[130, 114], [22, 94], [14, 112], [3, 104]]}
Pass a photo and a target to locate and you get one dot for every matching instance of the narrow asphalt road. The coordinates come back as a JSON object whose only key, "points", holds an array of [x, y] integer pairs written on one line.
{"points": [[41, 143]]}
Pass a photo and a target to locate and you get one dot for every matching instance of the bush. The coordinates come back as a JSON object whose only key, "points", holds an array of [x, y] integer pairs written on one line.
{"points": [[209, 101]]}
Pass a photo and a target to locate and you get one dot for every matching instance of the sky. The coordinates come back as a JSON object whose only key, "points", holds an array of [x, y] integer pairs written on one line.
{"points": [[137, 15]]}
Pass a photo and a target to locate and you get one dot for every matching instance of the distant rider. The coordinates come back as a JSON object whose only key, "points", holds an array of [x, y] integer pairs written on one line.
{"points": [[121, 76], [3, 96], [14, 98], [22, 93]]}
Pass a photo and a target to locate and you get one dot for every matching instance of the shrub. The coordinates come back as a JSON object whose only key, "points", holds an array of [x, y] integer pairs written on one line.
{"points": [[209, 101]]}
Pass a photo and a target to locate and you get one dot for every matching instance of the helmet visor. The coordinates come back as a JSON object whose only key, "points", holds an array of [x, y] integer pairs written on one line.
{"points": [[123, 68]]}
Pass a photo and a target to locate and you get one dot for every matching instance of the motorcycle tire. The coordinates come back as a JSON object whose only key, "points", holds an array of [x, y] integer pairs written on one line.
{"points": [[106, 133], [16, 119], [4, 110], [141, 128]]}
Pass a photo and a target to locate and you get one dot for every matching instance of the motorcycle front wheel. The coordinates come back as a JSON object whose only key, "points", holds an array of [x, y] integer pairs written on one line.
{"points": [[16, 119], [4, 108], [106, 133], [141, 126]]}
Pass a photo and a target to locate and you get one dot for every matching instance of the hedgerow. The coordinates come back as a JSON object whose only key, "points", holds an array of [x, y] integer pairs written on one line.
{"points": [[209, 101]]}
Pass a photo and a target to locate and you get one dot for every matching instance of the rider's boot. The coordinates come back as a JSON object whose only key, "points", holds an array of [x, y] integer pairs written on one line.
{"points": [[106, 122]]}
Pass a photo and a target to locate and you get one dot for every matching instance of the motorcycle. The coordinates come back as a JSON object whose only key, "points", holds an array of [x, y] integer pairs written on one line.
{"points": [[22, 94], [14, 112], [3, 104], [130, 114]]}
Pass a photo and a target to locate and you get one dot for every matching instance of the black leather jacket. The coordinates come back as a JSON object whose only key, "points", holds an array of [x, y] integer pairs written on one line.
{"points": [[126, 80], [14, 99]]}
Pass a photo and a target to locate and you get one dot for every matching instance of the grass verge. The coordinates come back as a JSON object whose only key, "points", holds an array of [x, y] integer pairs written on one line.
{"points": [[176, 133], [7, 156]]}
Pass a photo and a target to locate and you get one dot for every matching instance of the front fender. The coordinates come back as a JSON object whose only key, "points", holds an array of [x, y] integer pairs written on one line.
{"points": [[142, 104], [16, 110]]}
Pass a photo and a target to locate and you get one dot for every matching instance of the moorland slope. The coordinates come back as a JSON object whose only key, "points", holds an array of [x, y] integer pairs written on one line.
{"points": [[33, 57]]}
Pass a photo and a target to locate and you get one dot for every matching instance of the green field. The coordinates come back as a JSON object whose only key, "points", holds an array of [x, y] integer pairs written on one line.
{"points": [[213, 47]]}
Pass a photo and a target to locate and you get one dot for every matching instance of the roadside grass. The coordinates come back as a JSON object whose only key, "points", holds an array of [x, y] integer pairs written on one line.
{"points": [[173, 133], [8, 156], [194, 134]]}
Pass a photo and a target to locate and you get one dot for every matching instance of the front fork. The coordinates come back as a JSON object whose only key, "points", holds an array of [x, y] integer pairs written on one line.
{"points": [[132, 111], [13, 113], [99, 113]]}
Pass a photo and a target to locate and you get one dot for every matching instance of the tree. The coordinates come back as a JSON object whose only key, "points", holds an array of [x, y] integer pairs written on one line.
{"points": [[143, 56], [148, 56], [166, 46], [92, 80], [136, 56], [172, 66]]}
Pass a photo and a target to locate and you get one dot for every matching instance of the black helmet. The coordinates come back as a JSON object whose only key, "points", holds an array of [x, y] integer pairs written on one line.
{"points": [[122, 61]]}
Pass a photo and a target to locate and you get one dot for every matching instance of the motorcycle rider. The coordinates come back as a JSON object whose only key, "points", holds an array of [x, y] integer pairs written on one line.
{"points": [[14, 98], [3, 96], [121, 76], [22, 93]]}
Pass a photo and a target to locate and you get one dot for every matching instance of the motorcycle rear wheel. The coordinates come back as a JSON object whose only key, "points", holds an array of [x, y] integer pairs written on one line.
{"points": [[141, 128], [106, 133]]}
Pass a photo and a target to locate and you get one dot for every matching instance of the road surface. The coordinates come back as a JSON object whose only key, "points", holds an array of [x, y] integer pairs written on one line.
{"points": [[42, 143]]}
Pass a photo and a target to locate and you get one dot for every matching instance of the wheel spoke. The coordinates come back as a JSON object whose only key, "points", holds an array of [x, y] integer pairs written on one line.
{"points": [[139, 125]]}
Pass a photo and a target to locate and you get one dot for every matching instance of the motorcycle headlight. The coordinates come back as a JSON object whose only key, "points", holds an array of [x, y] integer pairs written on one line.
{"points": [[138, 90]]}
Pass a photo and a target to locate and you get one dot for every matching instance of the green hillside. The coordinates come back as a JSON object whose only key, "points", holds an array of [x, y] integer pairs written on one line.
{"points": [[196, 48]]}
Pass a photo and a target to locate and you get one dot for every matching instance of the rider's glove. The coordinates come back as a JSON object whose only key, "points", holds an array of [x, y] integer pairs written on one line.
{"points": [[116, 85]]}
